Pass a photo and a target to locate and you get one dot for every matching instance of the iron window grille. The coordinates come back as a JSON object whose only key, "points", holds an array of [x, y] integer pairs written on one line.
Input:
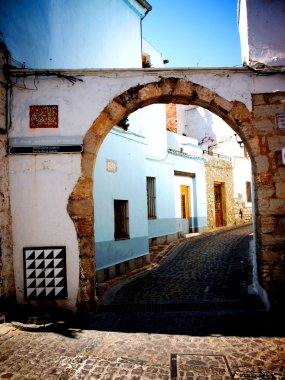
{"points": [[151, 197]]}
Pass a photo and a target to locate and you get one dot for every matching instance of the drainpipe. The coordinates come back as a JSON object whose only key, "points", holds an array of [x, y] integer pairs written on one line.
{"points": [[148, 8]]}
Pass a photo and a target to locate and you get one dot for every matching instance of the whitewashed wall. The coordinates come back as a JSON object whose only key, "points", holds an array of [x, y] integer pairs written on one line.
{"points": [[93, 33], [262, 31], [40, 185]]}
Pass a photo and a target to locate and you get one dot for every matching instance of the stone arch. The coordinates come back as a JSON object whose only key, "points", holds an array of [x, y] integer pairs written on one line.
{"points": [[81, 205]]}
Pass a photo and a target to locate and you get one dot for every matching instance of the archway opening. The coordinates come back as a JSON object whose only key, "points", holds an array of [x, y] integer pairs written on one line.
{"points": [[166, 172], [173, 90]]}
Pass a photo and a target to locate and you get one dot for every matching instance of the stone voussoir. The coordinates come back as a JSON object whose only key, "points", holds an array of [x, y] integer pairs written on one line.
{"points": [[86, 246], [83, 189], [81, 207], [149, 92]]}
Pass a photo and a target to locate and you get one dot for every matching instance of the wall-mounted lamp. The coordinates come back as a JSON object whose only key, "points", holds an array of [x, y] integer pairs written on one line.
{"points": [[239, 140]]}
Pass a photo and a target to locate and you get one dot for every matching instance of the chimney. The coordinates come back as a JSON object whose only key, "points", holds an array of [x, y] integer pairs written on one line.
{"points": [[171, 117]]}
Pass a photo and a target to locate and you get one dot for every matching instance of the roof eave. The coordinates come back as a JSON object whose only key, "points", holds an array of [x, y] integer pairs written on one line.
{"points": [[145, 4]]}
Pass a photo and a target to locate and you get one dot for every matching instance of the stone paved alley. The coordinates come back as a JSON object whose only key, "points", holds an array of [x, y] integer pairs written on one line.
{"points": [[158, 326]]}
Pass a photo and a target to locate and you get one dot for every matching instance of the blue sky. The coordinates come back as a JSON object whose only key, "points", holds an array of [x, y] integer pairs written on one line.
{"points": [[193, 33]]}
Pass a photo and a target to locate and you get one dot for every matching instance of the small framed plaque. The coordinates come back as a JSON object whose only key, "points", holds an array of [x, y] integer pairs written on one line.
{"points": [[43, 116]]}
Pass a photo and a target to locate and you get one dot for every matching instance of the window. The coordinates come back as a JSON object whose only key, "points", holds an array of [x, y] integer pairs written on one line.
{"points": [[121, 216], [151, 198], [248, 191]]}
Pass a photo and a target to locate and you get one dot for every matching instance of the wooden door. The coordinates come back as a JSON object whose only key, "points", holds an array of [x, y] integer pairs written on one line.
{"points": [[218, 205], [185, 209]]}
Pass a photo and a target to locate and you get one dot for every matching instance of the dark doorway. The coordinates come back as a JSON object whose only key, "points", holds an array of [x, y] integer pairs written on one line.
{"points": [[218, 205]]}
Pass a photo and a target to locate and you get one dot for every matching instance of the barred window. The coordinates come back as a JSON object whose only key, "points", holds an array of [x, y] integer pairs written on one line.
{"points": [[121, 218], [248, 191], [151, 197]]}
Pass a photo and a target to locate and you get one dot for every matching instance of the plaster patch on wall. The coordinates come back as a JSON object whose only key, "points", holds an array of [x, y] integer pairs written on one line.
{"points": [[111, 166]]}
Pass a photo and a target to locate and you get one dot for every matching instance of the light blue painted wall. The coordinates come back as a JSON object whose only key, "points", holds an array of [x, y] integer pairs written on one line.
{"points": [[128, 150], [128, 183], [165, 223], [109, 253], [73, 34]]}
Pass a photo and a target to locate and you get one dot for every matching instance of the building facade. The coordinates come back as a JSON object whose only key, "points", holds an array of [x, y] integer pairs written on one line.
{"points": [[54, 209], [73, 35], [149, 188], [228, 166]]}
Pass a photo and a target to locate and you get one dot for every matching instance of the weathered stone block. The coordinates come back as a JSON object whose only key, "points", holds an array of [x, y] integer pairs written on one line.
{"points": [[262, 164], [91, 142], [222, 103], [83, 189], [183, 89], [151, 91], [276, 98], [254, 146], [264, 125], [280, 174], [87, 164], [112, 272], [86, 246], [204, 94], [265, 192], [263, 179], [277, 206], [123, 268], [239, 113], [116, 111], [81, 208], [268, 224], [267, 111], [84, 226], [276, 143], [280, 189], [87, 268], [258, 99], [263, 206], [131, 264], [100, 276], [102, 125], [279, 274]]}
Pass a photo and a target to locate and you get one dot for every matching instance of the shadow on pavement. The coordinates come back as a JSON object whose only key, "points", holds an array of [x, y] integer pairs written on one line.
{"points": [[244, 323], [197, 323]]}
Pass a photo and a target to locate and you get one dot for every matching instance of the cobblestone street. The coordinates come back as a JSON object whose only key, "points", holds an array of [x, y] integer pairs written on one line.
{"points": [[205, 269], [159, 326]]}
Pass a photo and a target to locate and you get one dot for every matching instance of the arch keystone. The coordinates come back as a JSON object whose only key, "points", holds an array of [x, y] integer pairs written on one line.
{"points": [[149, 92], [184, 89]]}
